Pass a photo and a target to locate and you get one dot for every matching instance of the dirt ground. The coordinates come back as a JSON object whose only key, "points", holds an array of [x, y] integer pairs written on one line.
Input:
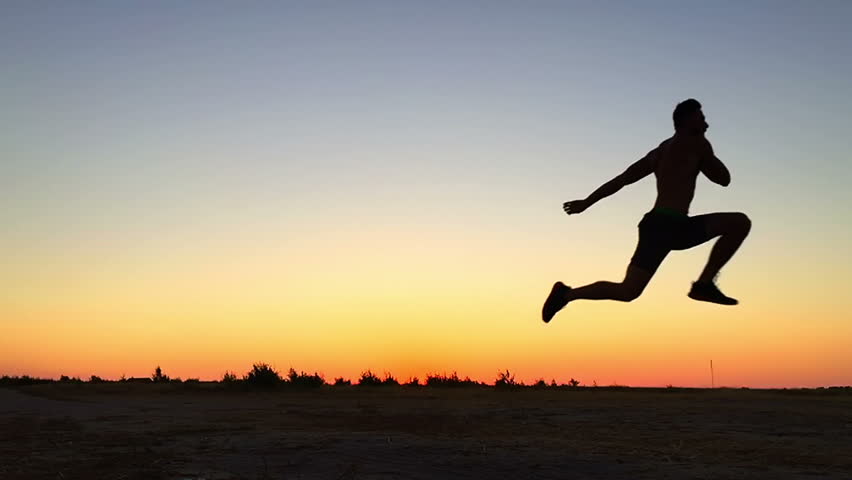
{"points": [[121, 432]]}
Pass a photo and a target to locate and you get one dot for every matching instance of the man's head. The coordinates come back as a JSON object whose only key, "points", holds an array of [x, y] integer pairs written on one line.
{"points": [[688, 118]]}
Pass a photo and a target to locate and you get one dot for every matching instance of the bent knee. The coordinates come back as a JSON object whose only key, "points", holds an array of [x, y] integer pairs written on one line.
{"points": [[741, 222], [630, 293]]}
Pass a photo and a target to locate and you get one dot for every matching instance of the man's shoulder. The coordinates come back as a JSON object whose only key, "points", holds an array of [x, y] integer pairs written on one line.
{"points": [[659, 149], [688, 144]]}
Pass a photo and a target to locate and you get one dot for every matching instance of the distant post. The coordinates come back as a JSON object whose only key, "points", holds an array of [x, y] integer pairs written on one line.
{"points": [[712, 377]]}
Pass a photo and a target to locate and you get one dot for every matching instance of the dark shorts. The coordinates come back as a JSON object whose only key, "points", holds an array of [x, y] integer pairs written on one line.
{"points": [[662, 231]]}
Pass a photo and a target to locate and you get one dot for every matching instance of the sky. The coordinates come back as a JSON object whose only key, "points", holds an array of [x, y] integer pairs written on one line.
{"points": [[336, 186]]}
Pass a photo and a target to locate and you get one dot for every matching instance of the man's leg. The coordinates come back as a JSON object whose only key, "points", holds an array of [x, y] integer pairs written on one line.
{"points": [[652, 248], [731, 228], [634, 283]]}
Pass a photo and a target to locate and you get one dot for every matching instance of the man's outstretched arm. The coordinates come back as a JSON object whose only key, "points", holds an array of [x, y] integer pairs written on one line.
{"points": [[712, 167], [639, 170]]}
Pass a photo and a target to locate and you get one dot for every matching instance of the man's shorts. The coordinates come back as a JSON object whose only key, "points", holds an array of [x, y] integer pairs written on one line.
{"points": [[662, 231]]}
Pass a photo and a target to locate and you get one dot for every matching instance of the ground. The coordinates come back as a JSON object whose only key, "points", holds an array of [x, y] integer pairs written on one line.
{"points": [[121, 432]]}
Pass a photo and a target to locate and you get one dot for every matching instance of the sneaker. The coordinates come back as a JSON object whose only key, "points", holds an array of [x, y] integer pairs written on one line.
{"points": [[708, 292], [555, 301]]}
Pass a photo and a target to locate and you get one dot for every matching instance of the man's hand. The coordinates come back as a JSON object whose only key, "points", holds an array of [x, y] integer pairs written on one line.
{"points": [[575, 206]]}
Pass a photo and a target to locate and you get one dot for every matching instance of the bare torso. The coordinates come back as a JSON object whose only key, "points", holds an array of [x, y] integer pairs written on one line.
{"points": [[676, 169]]}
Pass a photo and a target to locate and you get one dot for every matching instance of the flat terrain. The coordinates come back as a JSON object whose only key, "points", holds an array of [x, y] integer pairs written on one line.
{"points": [[119, 431]]}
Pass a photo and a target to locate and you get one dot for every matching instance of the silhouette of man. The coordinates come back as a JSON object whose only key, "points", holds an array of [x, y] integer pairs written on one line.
{"points": [[676, 163]]}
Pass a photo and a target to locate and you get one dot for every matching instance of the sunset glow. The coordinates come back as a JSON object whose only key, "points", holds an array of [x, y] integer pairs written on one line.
{"points": [[202, 186]]}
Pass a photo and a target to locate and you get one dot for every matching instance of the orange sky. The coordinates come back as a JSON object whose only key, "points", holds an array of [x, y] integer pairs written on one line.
{"points": [[199, 316]]}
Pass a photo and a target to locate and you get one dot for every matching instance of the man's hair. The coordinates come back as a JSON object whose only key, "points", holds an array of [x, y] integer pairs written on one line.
{"points": [[683, 110]]}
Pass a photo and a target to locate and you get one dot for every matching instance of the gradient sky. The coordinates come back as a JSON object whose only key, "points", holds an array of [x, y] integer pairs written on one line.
{"points": [[337, 186]]}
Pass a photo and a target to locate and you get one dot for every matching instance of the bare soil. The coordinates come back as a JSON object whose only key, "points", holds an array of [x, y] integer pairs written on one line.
{"points": [[119, 431]]}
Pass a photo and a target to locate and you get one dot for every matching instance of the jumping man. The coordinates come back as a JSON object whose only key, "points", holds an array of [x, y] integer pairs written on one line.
{"points": [[675, 163]]}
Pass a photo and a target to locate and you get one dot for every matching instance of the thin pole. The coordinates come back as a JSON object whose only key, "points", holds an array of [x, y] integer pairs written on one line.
{"points": [[712, 377]]}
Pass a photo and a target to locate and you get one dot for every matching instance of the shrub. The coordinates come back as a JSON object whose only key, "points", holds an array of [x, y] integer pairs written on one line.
{"points": [[302, 379], [505, 379], [23, 380], [453, 380], [340, 382], [369, 379], [158, 376], [137, 380], [412, 382], [229, 377], [262, 375], [389, 380]]}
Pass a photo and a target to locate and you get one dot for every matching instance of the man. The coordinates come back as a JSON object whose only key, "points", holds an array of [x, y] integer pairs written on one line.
{"points": [[676, 164]]}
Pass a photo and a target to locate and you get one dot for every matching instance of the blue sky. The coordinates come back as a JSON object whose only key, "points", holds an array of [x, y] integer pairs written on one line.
{"points": [[330, 110]]}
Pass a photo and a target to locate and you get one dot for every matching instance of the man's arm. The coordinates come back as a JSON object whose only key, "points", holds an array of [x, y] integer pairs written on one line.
{"points": [[639, 170], [712, 167]]}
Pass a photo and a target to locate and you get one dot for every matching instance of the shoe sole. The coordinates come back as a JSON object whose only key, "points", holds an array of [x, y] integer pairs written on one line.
{"points": [[729, 303]]}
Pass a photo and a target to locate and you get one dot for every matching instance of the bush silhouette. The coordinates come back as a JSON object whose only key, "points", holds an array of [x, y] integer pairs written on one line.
{"points": [[453, 380], [302, 379], [23, 380], [136, 380], [262, 375], [505, 379], [158, 376], [390, 380], [369, 379]]}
